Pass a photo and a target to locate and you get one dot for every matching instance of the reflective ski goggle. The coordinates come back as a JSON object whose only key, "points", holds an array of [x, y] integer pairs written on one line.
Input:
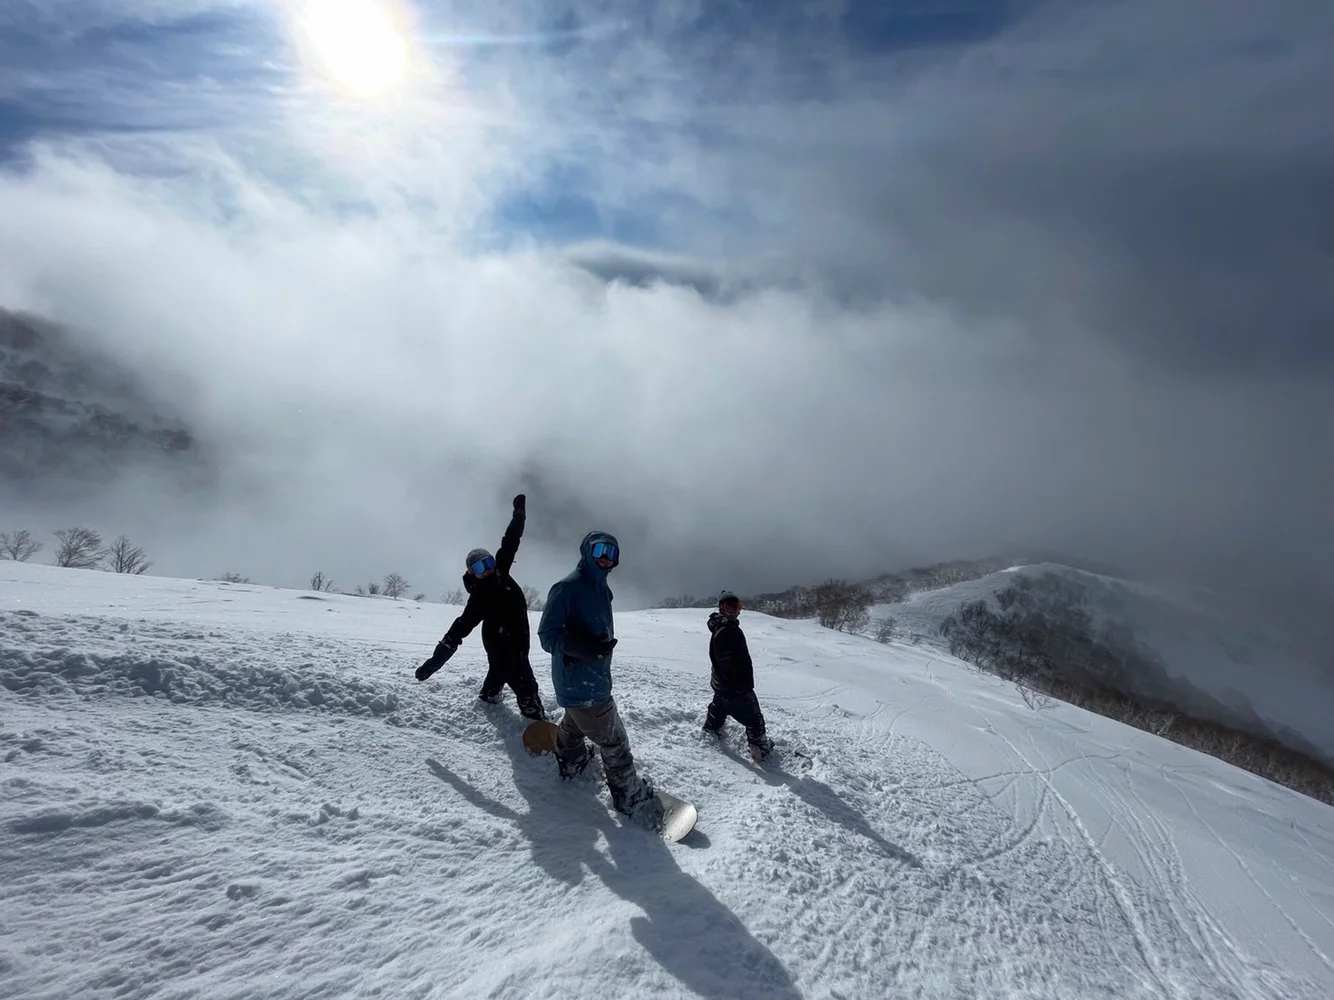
{"points": [[482, 565], [605, 550]]}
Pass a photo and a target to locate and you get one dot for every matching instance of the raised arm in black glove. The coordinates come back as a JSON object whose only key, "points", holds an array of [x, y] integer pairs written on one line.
{"points": [[520, 504], [444, 649]]}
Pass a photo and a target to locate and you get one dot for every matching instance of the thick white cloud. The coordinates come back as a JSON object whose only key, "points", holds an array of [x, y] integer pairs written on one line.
{"points": [[904, 358]]}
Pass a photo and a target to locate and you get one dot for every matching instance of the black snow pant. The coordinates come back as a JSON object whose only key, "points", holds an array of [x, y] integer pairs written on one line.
{"points": [[742, 706], [602, 724], [511, 667]]}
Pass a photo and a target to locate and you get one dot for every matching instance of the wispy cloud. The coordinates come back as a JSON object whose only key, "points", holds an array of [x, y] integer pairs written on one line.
{"points": [[1055, 279]]}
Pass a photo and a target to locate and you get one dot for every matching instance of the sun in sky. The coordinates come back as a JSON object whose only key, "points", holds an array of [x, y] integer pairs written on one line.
{"points": [[359, 44]]}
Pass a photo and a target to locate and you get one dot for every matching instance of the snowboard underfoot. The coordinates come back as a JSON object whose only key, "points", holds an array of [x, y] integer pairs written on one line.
{"points": [[678, 815], [539, 738]]}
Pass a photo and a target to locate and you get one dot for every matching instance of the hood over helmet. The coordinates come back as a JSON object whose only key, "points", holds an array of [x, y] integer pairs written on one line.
{"points": [[586, 560]]}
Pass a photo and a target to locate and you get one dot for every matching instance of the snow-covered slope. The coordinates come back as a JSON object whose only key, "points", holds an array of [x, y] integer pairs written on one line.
{"points": [[1252, 661], [231, 791]]}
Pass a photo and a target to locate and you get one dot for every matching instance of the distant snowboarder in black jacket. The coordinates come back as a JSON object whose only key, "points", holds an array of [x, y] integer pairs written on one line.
{"points": [[733, 678], [497, 602]]}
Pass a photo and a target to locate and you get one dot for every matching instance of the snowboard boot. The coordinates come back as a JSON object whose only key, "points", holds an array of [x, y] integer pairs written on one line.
{"points": [[533, 710], [760, 749], [640, 804], [491, 698], [572, 769]]}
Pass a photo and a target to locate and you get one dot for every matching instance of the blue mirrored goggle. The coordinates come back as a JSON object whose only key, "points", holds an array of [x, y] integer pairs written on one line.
{"points": [[606, 550], [482, 565]]}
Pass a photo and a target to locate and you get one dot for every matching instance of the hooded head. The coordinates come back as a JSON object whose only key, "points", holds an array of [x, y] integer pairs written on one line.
{"points": [[717, 620], [729, 606], [587, 561]]}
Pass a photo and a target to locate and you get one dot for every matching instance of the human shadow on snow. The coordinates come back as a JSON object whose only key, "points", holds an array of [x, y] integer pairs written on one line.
{"points": [[560, 859], [820, 796], [686, 929]]}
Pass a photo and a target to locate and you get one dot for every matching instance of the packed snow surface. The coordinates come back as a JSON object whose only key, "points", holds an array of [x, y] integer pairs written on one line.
{"points": [[233, 791]]}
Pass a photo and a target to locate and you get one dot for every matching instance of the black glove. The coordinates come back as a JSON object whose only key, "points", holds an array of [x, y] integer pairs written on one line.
{"points": [[520, 504], [579, 645], [427, 669], [444, 649]]}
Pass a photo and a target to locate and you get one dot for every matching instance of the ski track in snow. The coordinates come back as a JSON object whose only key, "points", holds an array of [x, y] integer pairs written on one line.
{"points": [[252, 800]]}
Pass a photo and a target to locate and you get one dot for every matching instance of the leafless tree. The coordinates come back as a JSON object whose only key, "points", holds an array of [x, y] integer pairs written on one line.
{"points": [[123, 556], [795, 602], [321, 582], [19, 546], [1033, 698], [234, 578], [373, 588], [843, 606], [395, 585], [455, 596], [534, 599], [79, 548], [885, 629], [419, 597]]}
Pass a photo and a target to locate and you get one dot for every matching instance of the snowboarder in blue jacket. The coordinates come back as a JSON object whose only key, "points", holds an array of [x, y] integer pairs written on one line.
{"points": [[578, 631]]}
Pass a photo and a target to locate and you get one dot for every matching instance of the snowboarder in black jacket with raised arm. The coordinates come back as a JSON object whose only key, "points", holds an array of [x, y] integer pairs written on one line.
{"points": [[497, 603], [733, 678]]}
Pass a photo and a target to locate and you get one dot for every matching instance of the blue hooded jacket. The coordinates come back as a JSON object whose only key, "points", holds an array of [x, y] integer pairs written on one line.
{"points": [[576, 629]]}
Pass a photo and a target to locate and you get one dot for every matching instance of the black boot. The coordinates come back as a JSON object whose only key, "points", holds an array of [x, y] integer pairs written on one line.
{"points": [[533, 710], [571, 770], [640, 804], [760, 748]]}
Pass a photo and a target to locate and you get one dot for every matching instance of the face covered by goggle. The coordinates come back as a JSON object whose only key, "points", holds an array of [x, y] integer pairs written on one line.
{"points": [[483, 566], [605, 550]]}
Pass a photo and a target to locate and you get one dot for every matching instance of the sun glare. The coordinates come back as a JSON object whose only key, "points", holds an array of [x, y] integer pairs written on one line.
{"points": [[357, 43]]}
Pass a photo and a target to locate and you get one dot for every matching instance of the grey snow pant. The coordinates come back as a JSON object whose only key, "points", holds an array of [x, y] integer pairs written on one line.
{"points": [[602, 724]]}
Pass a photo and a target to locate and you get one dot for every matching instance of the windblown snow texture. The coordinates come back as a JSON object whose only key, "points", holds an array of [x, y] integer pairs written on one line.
{"points": [[229, 791]]}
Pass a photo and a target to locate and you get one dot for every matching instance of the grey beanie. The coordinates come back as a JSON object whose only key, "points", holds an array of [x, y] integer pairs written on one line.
{"points": [[727, 596], [476, 554]]}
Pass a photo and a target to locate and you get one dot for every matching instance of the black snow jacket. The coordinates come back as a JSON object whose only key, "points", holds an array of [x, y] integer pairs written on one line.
{"points": [[496, 602], [729, 655]]}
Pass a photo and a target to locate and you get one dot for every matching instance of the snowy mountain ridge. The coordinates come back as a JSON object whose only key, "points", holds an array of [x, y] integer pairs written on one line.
{"points": [[1219, 655], [67, 414], [215, 789]]}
